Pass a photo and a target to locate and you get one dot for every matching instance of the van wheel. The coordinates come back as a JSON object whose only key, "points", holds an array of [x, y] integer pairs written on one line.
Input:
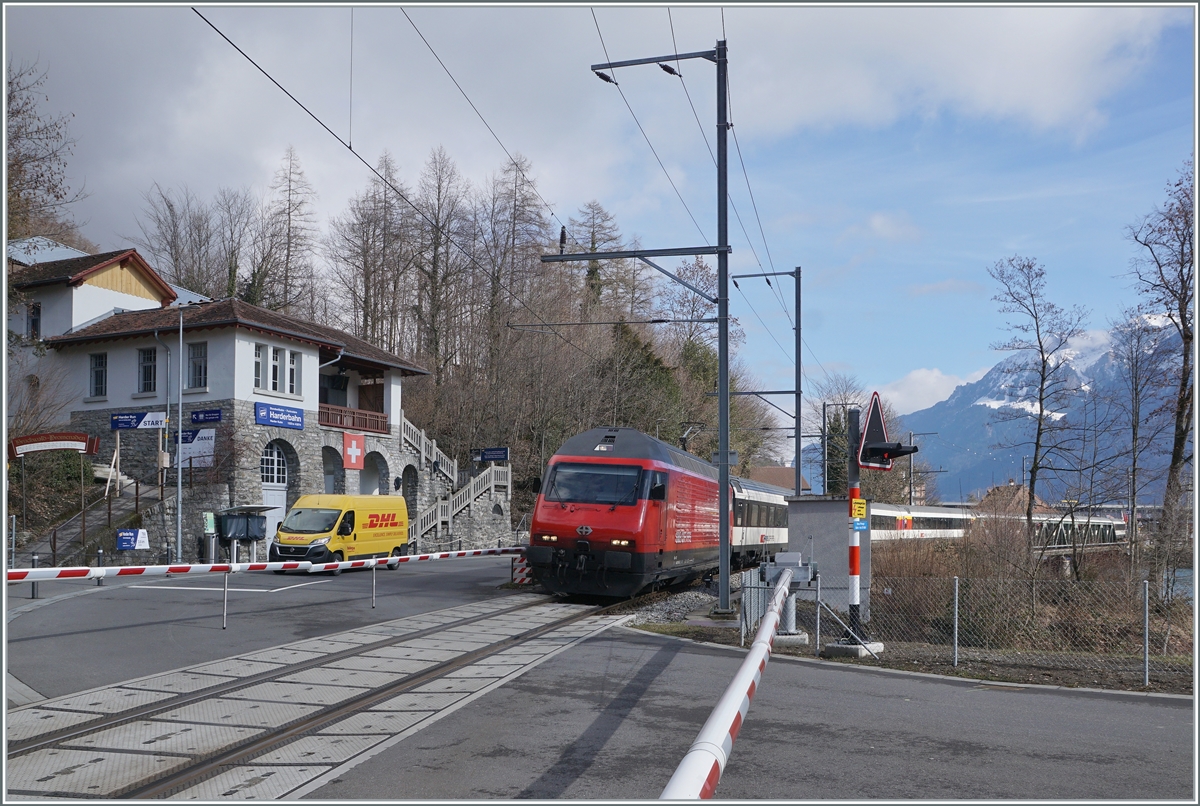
{"points": [[337, 558], [397, 552]]}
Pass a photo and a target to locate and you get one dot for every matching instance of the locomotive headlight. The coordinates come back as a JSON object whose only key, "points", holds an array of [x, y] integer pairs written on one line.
{"points": [[620, 542], [550, 538]]}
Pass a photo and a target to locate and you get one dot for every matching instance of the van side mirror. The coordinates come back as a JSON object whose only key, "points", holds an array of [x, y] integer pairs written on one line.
{"points": [[346, 528]]}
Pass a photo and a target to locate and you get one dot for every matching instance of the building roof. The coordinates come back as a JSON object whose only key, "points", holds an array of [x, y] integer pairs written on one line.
{"points": [[185, 296], [75, 270], [1011, 498], [784, 477], [236, 313], [39, 249]]}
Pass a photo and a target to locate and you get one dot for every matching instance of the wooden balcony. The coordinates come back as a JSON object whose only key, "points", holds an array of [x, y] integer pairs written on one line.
{"points": [[352, 419]]}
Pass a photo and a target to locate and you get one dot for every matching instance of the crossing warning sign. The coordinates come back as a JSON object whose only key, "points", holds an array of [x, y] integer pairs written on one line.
{"points": [[874, 450]]}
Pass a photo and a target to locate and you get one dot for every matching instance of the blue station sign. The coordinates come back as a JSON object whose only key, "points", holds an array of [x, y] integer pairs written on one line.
{"points": [[132, 539], [493, 455], [206, 416], [281, 416], [138, 419], [861, 525]]}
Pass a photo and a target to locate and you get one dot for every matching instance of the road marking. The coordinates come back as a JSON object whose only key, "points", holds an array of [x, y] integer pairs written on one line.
{"points": [[231, 589], [198, 588], [18, 693], [300, 585]]}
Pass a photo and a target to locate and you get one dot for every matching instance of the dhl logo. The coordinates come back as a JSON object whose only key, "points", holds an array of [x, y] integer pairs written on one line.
{"points": [[377, 520]]}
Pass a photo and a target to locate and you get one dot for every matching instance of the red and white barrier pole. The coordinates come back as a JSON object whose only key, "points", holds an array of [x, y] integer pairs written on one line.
{"points": [[855, 494], [700, 771], [100, 572], [392, 562]]}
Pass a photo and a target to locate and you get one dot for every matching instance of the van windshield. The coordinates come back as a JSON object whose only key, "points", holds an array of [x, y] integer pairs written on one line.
{"points": [[310, 521]]}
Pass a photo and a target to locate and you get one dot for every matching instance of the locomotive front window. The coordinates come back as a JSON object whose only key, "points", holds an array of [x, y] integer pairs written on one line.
{"points": [[593, 484]]}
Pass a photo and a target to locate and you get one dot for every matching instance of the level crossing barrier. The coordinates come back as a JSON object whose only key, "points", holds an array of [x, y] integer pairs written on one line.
{"points": [[99, 572], [700, 771]]}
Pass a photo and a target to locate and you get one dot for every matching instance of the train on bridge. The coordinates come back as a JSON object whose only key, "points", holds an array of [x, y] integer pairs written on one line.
{"points": [[1056, 531]]}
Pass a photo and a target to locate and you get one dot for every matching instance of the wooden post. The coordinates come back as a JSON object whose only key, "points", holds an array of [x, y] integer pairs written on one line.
{"points": [[54, 548], [137, 491], [109, 500]]}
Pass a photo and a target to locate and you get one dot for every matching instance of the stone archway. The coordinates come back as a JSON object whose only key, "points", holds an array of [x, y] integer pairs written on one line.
{"points": [[373, 478], [335, 472], [409, 482]]}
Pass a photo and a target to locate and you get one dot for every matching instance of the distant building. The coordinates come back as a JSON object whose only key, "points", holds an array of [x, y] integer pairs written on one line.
{"points": [[1011, 498], [779, 476]]}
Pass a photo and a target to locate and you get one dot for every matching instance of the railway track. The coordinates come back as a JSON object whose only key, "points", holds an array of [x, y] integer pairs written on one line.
{"points": [[268, 723]]}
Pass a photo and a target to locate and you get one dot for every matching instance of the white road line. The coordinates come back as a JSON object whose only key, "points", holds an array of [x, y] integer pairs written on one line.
{"points": [[301, 585], [198, 588], [18, 692], [231, 589]]}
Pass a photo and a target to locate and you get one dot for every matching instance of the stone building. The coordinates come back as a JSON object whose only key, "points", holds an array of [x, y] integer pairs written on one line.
{"points": [[270, 406]]}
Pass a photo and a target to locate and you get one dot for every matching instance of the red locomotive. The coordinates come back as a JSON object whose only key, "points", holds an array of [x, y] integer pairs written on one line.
{"points": [[620, 510]]}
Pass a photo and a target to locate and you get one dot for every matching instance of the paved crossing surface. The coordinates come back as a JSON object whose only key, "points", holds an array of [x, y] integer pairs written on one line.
{"points": [[114, 760]]}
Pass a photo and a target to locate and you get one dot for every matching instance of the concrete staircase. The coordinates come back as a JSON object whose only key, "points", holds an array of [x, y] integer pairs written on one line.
{"points": [[440, 515]]}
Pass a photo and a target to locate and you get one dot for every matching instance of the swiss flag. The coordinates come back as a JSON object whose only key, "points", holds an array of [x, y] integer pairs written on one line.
{"points": [[353, 450]]}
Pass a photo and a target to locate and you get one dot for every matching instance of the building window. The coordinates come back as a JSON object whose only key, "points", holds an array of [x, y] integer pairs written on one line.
{"points": [[99, 375], [148, 370], [276, 359], [273, 465], [198, 365], [258, 362], [35, 320], [294, 372]]}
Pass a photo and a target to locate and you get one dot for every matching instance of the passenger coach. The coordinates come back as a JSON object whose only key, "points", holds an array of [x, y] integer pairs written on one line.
{"points": [[620, 510]]}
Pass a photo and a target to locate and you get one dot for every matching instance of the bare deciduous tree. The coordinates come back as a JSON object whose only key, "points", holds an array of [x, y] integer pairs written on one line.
{"points": [[38, 193], [1039, 378], [1165, 275]]}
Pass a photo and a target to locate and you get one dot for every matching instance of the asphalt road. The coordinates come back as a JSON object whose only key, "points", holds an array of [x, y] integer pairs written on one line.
{"points": [[612, 717], [79, 636]]}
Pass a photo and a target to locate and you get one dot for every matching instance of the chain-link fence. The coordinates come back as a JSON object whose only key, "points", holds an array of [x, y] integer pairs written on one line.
{"points": [[1064, 632]]}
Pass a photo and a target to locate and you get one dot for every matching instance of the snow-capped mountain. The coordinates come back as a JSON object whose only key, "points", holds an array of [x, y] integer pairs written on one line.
{"points": [[976, 417]]}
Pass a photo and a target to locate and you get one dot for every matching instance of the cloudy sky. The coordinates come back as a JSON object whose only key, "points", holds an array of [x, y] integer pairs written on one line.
{"points": [[894, 153]]}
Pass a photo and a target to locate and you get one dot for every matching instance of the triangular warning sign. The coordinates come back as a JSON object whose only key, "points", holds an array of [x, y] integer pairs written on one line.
{"points": [[874, 431]]}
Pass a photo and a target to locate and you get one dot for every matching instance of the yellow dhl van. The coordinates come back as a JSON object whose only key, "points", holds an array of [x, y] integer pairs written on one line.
{"points": [[332, 528]]}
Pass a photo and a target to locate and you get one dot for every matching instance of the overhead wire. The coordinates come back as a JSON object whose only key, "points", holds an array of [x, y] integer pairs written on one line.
{"points": [[704, 135], [764, 324], [646, 136], [416, 208], [512, 161]]}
